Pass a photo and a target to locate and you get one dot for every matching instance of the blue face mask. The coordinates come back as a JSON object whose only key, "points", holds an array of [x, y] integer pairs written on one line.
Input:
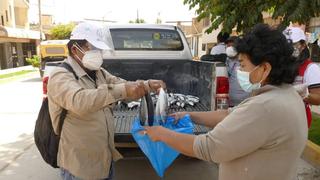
{"points": [[244, 81]]}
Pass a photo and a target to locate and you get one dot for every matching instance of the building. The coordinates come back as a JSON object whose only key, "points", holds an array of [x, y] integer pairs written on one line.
{"points": [[201, 42], [17, 41]]}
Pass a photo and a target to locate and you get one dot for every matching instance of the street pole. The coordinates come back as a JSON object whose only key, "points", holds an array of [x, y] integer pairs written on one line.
{"points": [[40, 21]]}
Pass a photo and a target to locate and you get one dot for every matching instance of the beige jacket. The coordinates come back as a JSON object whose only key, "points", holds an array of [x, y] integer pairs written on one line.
{"points": [[86, 147], [261, 139]]}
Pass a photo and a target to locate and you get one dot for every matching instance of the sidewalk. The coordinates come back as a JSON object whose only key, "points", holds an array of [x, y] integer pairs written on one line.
{"points": [[315, 109], [13, 70]]}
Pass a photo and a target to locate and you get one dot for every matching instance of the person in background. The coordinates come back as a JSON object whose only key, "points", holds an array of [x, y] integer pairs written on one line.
{"points": [[307, 83], [220, 48], [264, 136], [236, 93], [86, 148]]}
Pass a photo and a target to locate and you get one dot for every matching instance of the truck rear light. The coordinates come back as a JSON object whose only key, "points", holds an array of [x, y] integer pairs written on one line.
{"points": [[222, 93], [222, 85], [44, 85]]}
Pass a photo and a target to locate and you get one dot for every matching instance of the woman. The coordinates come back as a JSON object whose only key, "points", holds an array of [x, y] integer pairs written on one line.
{"points": [[263, 137]]}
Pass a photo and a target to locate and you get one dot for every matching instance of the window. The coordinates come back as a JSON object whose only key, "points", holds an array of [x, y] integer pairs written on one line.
{"points": [[2, 20], [146, 39], [204, 47], [55, 50], [7, 17]]}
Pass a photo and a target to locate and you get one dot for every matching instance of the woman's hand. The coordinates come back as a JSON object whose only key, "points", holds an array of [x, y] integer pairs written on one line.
{"points": [[155, 132], [178, 115]]}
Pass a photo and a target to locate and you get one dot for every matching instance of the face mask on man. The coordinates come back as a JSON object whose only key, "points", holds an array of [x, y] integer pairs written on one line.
{"points": [[296, 52], [231, 52], [92, 59], [244, 81]]}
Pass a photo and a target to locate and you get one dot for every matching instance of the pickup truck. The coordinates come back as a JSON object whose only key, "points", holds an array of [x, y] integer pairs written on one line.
{"points": [[159, 52]]}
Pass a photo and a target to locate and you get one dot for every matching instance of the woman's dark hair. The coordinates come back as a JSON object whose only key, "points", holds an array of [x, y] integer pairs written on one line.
{"points": [[265, 44], [81, 43]]}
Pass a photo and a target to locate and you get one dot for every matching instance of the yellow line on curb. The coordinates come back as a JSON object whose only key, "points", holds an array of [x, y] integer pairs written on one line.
{"points": [[312, 154]]}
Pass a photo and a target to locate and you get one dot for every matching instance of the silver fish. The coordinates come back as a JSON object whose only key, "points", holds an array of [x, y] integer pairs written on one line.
{"points": [[133, 104], [143, 113], [161, 111], [146, 112]]}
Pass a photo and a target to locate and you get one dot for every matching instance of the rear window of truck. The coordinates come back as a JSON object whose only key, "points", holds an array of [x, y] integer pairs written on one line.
{"points": [[146, 39], [55, 50]]}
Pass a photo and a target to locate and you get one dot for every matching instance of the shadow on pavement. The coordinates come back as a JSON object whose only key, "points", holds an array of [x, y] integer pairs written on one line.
{"points": [[11, 151], [182, 168]]}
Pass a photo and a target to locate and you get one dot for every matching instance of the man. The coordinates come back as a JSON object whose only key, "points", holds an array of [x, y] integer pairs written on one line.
{"points": [[236, 93], [307, 82], [220, 48], [86, 149]]}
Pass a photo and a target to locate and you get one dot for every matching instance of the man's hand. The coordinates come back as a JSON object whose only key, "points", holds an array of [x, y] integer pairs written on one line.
{"points": [[135, 90], [155, 85]]}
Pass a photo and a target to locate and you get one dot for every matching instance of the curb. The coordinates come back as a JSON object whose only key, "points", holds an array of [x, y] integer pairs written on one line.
{"points": [[311, 154], [13, 70]]}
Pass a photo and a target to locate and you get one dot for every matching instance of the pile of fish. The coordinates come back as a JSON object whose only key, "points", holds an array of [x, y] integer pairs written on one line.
{"points": [[180, 100], [175, 100]]}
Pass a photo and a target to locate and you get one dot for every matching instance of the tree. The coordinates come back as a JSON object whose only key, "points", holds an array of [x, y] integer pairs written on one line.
{"points": [[62, 31], [158, 21], [137, 21], [244, 14]]}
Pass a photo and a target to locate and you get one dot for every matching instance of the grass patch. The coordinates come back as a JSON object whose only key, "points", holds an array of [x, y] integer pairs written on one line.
{"points": [[314, 131], [19, 73]]}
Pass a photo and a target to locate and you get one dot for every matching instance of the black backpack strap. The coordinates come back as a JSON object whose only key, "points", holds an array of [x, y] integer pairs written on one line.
{"points": [[69, 68], [64, 111]]}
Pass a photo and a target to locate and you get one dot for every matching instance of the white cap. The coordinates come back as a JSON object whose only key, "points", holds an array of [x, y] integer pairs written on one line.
{"points": [[91, 33], [295, 34]]}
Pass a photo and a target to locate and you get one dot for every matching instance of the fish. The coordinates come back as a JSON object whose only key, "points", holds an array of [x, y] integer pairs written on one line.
{"points": [[161, 111], [133, 104], [146, 112]]}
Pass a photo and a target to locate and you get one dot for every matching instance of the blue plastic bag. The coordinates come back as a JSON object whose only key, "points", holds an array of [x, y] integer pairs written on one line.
{"points": [[159, 154]]}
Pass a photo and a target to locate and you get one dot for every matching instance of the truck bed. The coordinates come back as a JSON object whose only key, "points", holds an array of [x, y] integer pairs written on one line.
{"points": [[181, 76]]}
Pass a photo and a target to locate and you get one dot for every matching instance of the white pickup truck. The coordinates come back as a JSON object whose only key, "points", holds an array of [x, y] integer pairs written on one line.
{"points": [[160, 52]]}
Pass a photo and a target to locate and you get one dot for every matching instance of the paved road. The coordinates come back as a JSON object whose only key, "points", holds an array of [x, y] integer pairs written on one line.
{"points": [[19, 158]]}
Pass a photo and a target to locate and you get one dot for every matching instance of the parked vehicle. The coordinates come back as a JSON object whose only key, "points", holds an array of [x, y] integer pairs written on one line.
{"points": [[52, 51]]}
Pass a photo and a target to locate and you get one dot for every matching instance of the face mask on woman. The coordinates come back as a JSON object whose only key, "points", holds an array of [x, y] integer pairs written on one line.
{"points": [[92, 59], [244, 81]]}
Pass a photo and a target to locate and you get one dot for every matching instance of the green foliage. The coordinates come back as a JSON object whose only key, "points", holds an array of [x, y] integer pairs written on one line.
{"points": [[34, 61], [244, 14], [137, 21], [158, 21], [62, 31], [314, 131]]}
